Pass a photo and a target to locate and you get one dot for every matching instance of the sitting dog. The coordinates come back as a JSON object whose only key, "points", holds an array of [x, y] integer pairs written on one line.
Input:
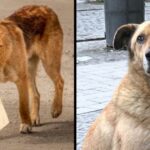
{"points": [[125, 122], [31, 34]]}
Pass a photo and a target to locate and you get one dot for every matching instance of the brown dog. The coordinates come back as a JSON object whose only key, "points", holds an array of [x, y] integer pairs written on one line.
{"points": [[31, 34], [125, 122]]}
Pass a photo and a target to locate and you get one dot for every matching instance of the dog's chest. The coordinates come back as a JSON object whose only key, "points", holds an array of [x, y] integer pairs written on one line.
{"points": [[132, 135]]}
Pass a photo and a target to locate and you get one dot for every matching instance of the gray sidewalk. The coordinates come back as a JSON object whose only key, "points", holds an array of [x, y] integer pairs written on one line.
{"points": [[90, 23], [95, 86]]}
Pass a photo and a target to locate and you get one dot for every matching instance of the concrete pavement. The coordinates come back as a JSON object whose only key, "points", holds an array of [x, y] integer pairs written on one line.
{"points": [[95, 86]]}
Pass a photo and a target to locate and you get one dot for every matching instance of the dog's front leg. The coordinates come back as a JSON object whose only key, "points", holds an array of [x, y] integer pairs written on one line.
{"points": [[22, 86]]}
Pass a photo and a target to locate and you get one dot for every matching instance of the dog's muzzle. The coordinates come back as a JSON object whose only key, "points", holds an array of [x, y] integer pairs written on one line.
{"points": [[147, 55], [146, 63]]}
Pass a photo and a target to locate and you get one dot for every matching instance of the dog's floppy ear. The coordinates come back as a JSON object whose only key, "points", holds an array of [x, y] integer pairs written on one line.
{"points": [[123, 35]]}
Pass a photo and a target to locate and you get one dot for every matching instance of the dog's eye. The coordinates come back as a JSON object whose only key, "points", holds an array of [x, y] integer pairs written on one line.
{"points": [[140, 39]]}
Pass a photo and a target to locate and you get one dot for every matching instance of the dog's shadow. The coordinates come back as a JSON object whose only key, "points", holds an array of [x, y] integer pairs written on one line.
{"points": [[48, 132]]}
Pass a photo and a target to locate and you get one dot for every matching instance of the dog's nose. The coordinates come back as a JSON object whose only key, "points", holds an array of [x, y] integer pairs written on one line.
{"points": [[148, 56]]}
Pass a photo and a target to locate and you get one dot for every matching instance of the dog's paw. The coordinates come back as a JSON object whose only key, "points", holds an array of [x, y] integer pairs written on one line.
{"points": [[35, 121], [56, 111], [25, 128]]}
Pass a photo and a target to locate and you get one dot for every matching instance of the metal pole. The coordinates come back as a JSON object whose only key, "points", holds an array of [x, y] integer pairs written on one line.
{"points": [[119, 12]]}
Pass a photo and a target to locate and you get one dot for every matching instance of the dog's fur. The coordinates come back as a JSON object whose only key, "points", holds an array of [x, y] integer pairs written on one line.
{"points": [[31, 34], [125, 122]]}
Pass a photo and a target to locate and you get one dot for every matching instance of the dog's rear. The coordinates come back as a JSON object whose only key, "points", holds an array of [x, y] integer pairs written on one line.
{"points": [[44, 40], [31, 34]]}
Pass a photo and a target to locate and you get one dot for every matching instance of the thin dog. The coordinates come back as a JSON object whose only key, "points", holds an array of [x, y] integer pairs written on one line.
{"points": [[30, 34]]}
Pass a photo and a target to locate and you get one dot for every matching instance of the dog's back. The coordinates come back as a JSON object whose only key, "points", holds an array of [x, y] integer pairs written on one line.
{"points": [[124, 124], [34, 21]]}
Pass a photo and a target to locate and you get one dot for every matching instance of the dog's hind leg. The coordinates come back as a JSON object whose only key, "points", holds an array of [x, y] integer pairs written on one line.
{"points": [[33, 92], [52, 63], [58, 83]]}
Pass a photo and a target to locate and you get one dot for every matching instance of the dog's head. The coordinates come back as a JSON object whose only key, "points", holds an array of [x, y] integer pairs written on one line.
{"points": [[137, 40]]}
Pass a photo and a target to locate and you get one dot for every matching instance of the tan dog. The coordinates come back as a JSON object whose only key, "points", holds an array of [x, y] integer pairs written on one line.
{"points": [[30, 34], [125, 122]]}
